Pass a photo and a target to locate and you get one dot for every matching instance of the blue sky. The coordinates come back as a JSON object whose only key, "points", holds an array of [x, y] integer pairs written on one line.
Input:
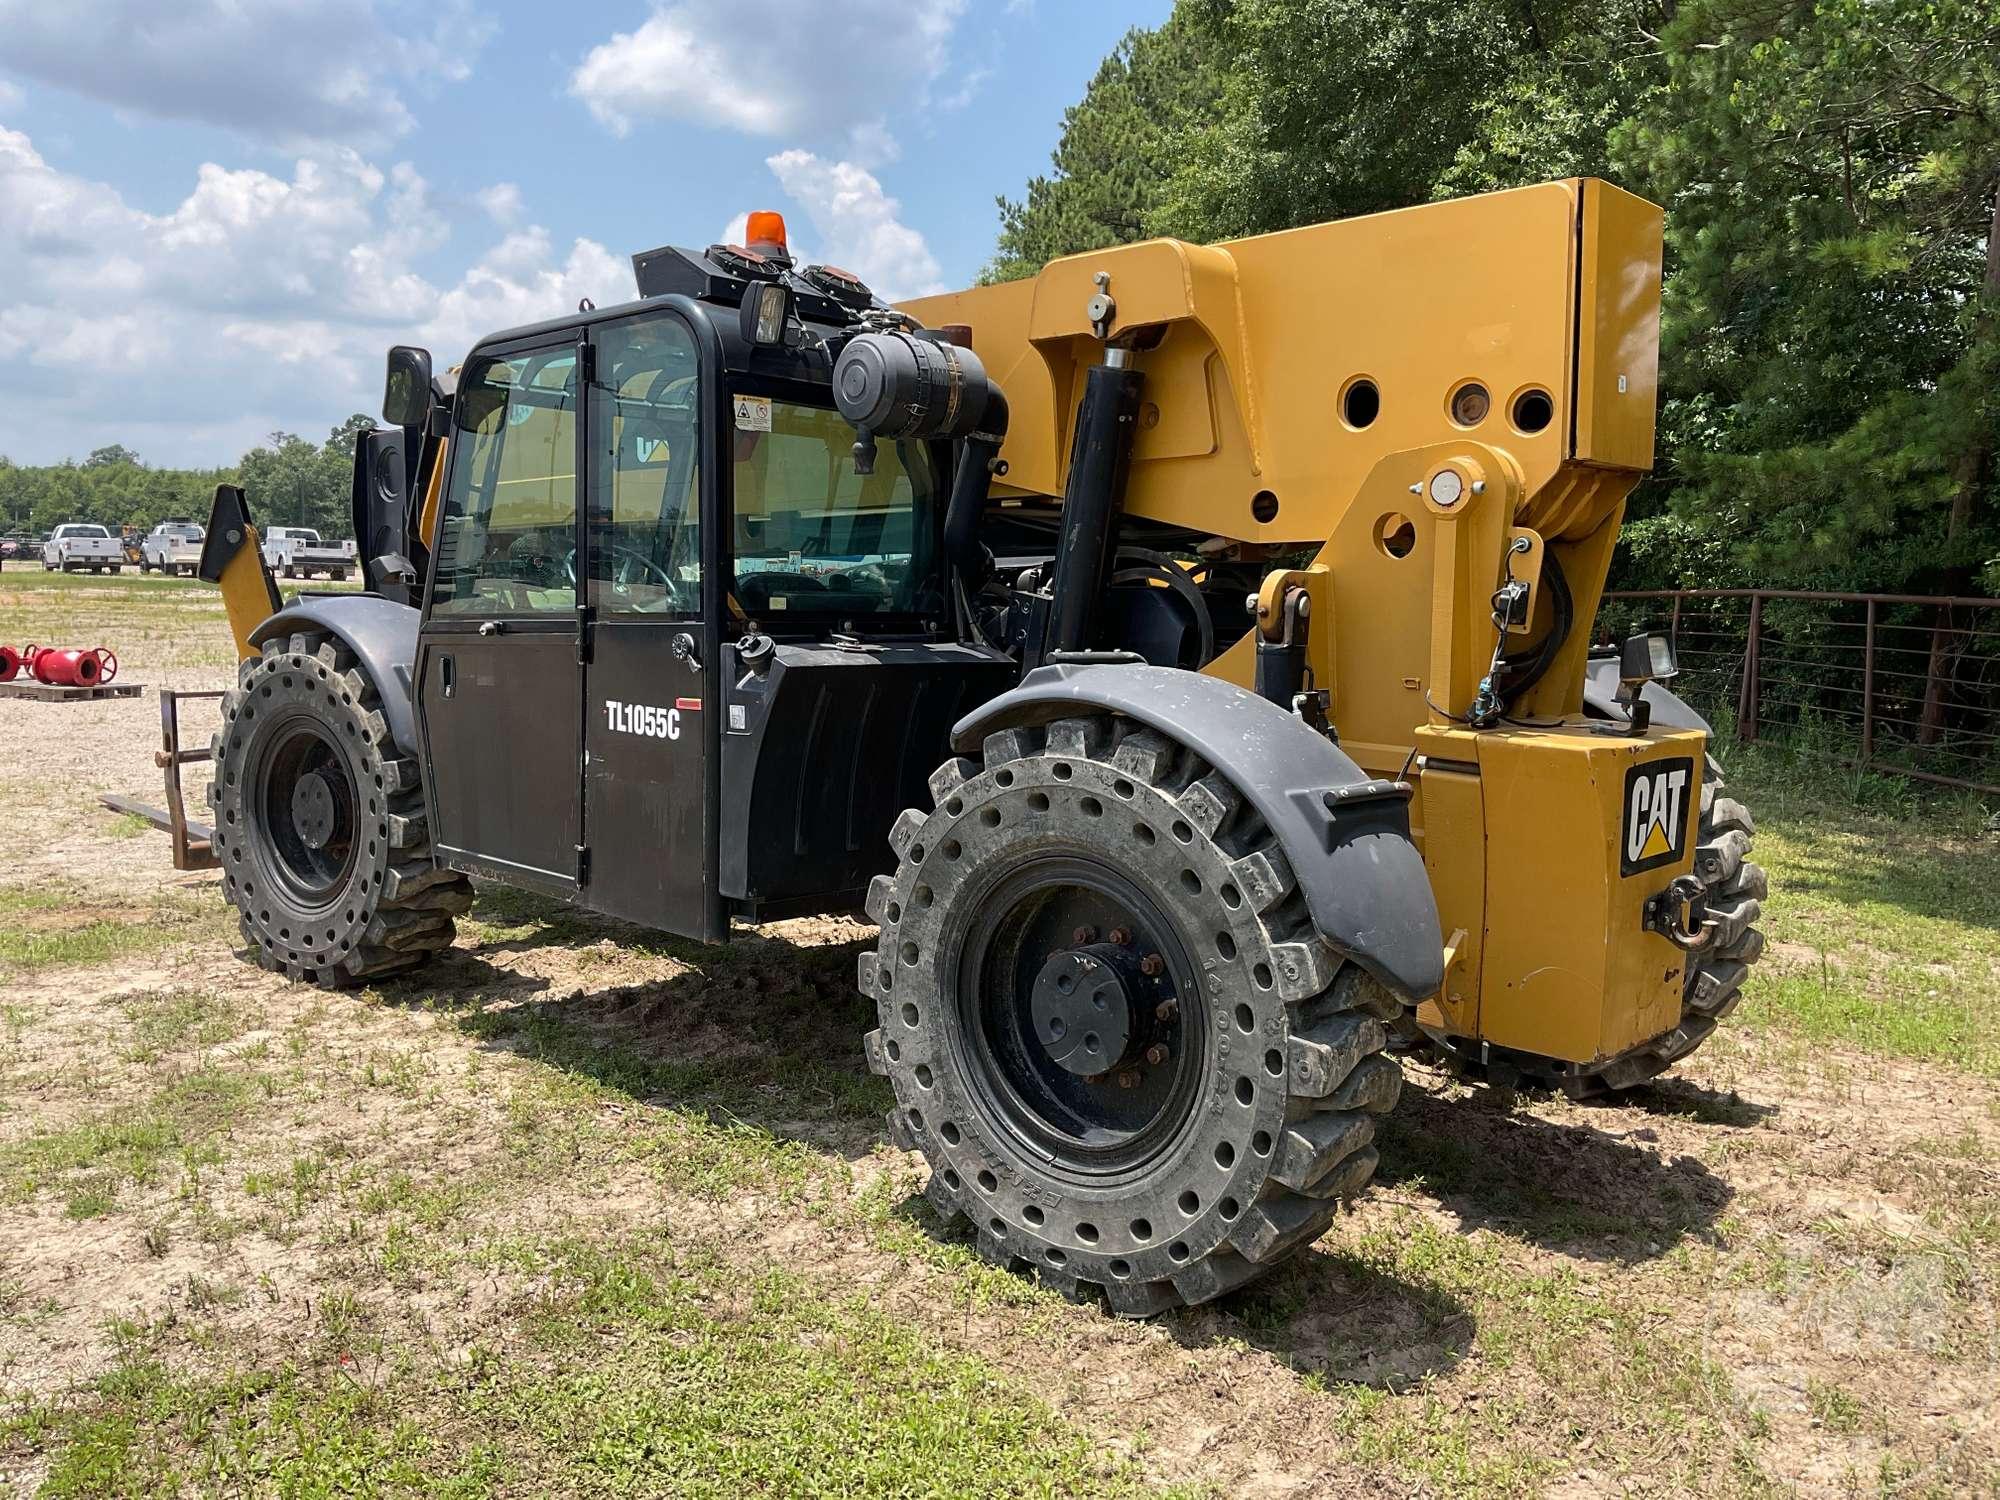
{"points": [[216, 214]]}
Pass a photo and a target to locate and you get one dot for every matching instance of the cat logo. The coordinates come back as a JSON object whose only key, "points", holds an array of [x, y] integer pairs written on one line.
{"points": [[1656, 814]]}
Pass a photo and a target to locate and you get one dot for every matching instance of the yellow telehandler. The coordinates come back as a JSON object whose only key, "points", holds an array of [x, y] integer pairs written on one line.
{"points": [[1184, 656]]}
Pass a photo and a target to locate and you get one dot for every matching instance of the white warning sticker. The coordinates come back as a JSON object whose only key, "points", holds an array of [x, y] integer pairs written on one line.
{"points": [[753, 413]]}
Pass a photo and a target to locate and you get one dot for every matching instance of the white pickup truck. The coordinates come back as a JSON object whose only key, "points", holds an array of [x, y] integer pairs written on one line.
{"points": [[172, 547], [78, 545], [297, 552]]}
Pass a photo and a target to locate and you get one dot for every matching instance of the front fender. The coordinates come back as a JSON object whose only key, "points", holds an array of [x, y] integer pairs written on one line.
{"points": [[380, 632], [1347, 836]]}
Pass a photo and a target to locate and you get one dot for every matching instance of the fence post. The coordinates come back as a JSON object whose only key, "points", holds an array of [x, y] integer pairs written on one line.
{"points": [[1674, 626], [1746, 703], [1868, 688]]}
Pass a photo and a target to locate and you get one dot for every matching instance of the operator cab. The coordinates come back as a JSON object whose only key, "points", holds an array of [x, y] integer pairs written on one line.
{"points": [[685, 653]]}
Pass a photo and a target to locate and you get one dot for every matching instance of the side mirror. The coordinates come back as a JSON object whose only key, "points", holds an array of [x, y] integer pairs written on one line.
{"points": [[406, 395]]}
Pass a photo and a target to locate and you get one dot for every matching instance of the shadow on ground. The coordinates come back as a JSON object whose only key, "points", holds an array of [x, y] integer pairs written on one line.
{"points": [[759, 1031], [1593, 1191], [766, 1032]]}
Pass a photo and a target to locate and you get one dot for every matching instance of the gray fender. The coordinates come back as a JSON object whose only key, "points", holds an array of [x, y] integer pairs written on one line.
{"points": [[1347, 836], [1600, 692], [380, 632]]}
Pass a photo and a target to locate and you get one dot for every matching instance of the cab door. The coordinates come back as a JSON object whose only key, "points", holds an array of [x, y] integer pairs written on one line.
{"points": [[650, 646], [499, 688]]}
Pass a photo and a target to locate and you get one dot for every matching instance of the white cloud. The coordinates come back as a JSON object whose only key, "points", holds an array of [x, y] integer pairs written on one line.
{"points": [[520, 281], [258, 302], [501, 202], [857, 224], [12, 95], [804, 69], [290, 74]]}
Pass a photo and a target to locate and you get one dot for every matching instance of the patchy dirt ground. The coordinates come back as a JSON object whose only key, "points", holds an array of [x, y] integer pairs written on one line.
{"points": [[587, 1209]]}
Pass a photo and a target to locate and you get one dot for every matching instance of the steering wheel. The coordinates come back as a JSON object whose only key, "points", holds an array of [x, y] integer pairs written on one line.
{"points": [[628, 567]]}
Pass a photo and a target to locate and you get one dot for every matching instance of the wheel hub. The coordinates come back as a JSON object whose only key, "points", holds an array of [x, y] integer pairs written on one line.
{"points": [[1082, 1004], [313, 810]]}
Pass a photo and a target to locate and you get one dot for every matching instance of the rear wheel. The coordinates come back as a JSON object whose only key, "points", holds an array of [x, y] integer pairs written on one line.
{"points": [[320, 823], [1130, 1060]]}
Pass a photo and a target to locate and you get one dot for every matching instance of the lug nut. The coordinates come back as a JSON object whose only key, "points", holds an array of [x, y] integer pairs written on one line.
{"points": [[1166, 1010], [1120, 936], [1128, 1078], [1083, 935], [1156, 1054], [1152, 966]]}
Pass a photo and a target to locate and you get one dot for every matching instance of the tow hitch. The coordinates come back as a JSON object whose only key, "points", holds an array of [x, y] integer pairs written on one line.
{"points": [[1680, 913]]}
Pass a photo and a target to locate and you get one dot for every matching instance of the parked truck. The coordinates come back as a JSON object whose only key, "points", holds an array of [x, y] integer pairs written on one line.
{"points": [[298, 552], [77, 545], [172, 547]]}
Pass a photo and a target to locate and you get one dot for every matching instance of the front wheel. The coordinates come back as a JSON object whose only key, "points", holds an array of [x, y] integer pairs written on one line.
{"points": [[320, 823], [1129, 1059]]}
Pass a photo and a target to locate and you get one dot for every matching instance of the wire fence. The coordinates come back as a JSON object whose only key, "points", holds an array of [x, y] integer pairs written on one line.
{"points": [[1892, 682]]}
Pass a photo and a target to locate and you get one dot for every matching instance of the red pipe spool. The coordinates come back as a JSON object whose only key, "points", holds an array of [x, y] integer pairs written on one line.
{"points": [[10, 663], [68, 668]]}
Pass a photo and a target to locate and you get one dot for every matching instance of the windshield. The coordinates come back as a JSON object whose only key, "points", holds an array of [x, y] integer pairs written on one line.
{"points": [[813, 536], [83, 531], [183, 531]]}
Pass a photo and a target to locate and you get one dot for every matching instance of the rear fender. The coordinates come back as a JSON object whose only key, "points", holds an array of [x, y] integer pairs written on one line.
{"points": [[383, 636], [1346, 835], [1670, 711]]}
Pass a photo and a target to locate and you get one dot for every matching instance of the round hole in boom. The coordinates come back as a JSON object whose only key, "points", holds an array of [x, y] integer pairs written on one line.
{"points": [[1469, 404], [1264, 507], [1532, 411], [1396, 535], [1360, 402]]}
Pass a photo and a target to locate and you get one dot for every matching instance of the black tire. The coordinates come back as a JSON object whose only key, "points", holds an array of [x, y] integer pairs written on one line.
{"points": [[320, 823], [1244, 1108]]}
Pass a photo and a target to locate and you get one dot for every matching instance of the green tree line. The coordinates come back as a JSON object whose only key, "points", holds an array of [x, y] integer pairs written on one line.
{"points": [[1831, 175], [289, 481]]}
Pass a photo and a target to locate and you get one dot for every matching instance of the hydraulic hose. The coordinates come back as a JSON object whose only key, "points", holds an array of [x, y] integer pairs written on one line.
{"points": [[1534, 664]]}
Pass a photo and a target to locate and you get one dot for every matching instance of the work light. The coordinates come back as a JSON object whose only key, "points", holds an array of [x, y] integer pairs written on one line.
{"points": [[764, 308], [1646, 658]]}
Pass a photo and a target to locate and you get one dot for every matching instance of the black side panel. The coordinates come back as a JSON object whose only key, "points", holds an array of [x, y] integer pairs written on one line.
{"points": [[1348, 837], [834, 744], [382, 633], [645, 786], [503, 723]]}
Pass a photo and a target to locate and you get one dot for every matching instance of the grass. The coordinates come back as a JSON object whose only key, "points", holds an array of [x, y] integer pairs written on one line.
{"points": [[631, 1374], [154, 622], [592, 1211], [1887, 913], [48, 926]]}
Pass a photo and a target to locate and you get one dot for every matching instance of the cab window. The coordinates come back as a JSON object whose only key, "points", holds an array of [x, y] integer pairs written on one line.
{"points": [[810, 535], [644, 430], [507, 536]]}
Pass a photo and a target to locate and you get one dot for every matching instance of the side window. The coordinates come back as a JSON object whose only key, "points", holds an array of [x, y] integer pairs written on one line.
{"points": [[645, 430], [507, 538]]}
